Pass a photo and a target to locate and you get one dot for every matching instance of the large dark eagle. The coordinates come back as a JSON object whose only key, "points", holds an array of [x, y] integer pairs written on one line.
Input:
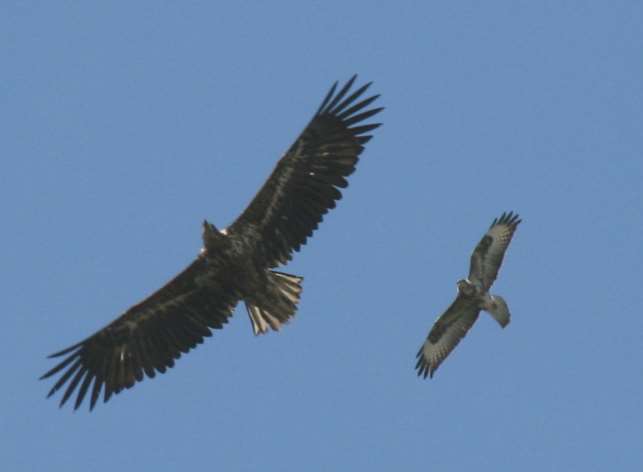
{"points": [[234, 264], [473, 296]]}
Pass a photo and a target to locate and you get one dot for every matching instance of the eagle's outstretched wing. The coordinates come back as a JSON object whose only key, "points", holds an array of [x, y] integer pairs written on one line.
{"points": [[305, 182], [445, 334], [488, 254], [148, 337]]}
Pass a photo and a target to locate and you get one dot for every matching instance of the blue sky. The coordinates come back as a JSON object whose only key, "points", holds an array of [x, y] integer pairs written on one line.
{"points": [[125, 125]]}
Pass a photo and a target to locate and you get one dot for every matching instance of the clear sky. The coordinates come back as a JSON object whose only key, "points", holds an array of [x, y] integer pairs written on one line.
{"points": [[125, 124]]}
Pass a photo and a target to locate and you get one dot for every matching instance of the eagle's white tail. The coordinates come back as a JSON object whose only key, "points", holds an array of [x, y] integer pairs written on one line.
{"points": [[497, 307], [277, 305]]}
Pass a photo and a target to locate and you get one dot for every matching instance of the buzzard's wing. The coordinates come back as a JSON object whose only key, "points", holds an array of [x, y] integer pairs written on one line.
{"points": [[445, 335], [306, 181], [487, 256], [147, 338]]}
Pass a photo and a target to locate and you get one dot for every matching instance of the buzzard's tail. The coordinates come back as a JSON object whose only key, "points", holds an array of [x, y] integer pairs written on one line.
{"points": [[497, 307], [277, 304]]}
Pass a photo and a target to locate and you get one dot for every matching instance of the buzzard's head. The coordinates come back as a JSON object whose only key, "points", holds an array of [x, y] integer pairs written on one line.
{"points": [[466, 288]]}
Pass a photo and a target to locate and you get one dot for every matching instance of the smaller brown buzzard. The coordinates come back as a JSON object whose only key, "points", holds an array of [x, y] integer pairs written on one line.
{"points": [[473, 296]]}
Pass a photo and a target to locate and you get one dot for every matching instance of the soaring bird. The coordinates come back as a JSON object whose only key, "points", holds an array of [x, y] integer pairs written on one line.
{"points": [[234, 264], [473, 296]]}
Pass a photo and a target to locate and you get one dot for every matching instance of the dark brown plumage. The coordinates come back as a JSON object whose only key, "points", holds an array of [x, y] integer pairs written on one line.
{"points": [[234, 263]]}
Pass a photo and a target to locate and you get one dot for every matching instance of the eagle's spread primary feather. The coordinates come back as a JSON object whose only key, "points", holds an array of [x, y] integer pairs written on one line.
{"points": [[234, 264], [473, 296]]}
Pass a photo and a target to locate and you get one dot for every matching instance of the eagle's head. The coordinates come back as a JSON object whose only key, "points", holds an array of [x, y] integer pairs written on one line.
{"points": [[466, 288], [207, 227], [210, 235]]}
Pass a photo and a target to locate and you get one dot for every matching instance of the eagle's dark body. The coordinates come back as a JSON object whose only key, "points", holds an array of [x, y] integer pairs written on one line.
{"points": [[235, 264]]}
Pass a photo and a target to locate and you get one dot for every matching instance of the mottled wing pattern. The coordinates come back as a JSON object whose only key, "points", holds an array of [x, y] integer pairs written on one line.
{"points": [[306, 181], [146, 339], [488, 254], [445, 335]]}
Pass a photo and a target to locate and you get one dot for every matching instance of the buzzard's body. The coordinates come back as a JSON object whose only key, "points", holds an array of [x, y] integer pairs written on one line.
{"points": [[473, 296], [235, 263]]}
